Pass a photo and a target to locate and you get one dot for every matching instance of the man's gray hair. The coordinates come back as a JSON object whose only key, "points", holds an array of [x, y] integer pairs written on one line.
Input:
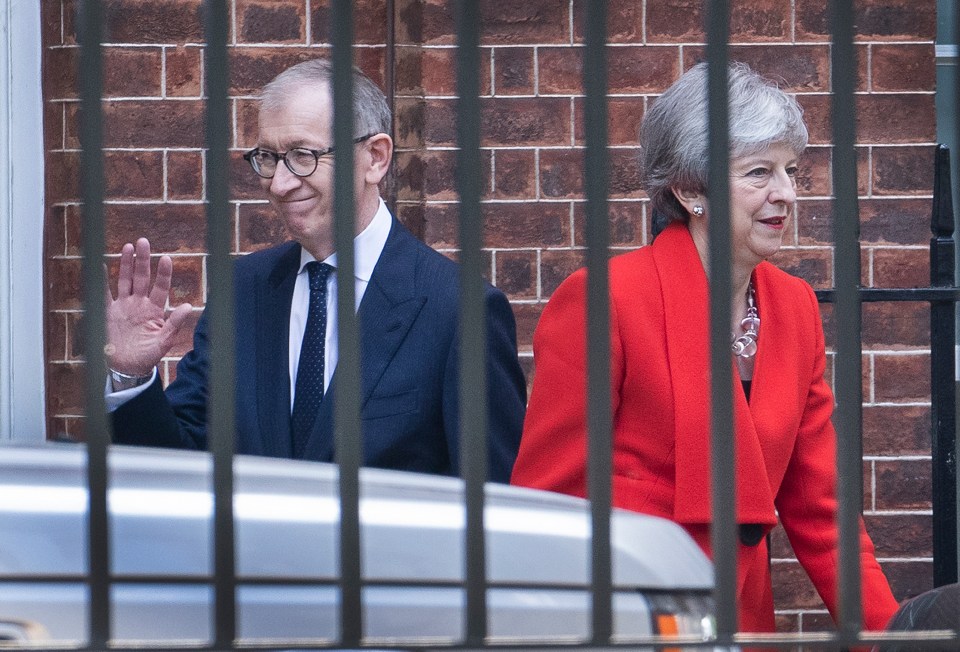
{"points": [[673, 136], [371, 114]]}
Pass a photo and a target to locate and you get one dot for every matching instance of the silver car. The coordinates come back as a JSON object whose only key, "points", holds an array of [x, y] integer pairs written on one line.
{"points": [[287, 517]]}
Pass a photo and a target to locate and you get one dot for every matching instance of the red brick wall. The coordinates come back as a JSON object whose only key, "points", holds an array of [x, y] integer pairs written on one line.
{"points": [[532, 149]]}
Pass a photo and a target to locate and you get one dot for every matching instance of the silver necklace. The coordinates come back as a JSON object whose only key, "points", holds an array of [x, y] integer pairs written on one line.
{"points": [[745, 346]]}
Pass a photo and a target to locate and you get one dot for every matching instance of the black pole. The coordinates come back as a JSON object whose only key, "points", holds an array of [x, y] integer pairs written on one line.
{"points": [[723, 533], [347, 431], [942, 377], [473, 380], [220, 311], [90, 20], [599, 416], [848, 316]]}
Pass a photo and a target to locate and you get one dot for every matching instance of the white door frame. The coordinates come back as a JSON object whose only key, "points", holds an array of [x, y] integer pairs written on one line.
{"points": [[21, 224]]}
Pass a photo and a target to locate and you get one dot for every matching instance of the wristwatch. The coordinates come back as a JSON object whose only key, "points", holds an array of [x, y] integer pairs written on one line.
{"points": [[122, 381]]}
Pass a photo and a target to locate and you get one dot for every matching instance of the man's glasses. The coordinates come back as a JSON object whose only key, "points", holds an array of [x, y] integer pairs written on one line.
{"points": [[301, 161]]}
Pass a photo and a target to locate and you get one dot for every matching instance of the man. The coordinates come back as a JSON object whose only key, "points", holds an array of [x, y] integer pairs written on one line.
{"points": [[938, 608], [286, 339]]}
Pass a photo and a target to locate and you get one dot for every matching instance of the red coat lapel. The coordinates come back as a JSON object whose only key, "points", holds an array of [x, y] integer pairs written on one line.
{"points": [[685, 291]]}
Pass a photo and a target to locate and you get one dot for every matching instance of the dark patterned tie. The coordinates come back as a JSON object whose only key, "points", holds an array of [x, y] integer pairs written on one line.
{"points": [[308, 392]]}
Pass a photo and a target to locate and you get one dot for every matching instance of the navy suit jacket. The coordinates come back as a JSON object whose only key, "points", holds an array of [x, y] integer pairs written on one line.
{"points": [[409, 373]]}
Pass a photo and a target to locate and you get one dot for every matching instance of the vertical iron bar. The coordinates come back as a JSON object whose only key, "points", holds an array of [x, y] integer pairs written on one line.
{"points": [[349, 445], [390, 90], [473, 378], [90, 18], [723, 534], [599, 418], [847, 311], [954, 451], [221, 411], [942, 376]]}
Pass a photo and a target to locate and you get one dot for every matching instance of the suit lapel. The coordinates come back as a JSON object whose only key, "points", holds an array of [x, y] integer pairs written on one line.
{"points": [[780, 387], [389, 308], [685, 292], [273, 369], [684, 289]]}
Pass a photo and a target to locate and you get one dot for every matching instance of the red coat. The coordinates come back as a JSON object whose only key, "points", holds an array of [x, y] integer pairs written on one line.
{"points": [[785, 442]]}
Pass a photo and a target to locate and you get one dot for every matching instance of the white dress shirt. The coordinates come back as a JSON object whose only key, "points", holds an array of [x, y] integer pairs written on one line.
{"points": [[367, 247]]}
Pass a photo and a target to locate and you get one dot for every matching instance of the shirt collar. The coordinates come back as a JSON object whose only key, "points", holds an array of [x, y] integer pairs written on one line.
{"points": [[367, 246]]}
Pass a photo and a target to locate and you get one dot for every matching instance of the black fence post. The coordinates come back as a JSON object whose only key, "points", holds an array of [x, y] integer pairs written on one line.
{"points": [[90, 22], [942, 379]]}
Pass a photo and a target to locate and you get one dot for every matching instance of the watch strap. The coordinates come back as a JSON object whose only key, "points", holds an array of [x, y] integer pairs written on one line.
{"points": [[122, 381]]}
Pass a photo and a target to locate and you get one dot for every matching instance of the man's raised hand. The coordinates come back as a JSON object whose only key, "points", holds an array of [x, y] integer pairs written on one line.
{"points": [[139, 332]]}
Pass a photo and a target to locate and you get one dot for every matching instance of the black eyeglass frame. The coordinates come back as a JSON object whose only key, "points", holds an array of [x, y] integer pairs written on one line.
{"points": [[282, 156]]}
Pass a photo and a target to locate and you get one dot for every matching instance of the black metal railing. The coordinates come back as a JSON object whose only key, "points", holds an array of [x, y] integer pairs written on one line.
{"points": [[599, 416], [847, 296], [943, 296], [943, 398], [90, 24]]}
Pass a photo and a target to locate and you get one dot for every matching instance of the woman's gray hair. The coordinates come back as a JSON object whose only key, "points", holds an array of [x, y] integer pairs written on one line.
{"points": [[371, 114], [673, 136]]}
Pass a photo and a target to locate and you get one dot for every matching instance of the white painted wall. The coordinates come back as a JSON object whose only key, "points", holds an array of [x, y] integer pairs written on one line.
{"points": [[21, 223]]}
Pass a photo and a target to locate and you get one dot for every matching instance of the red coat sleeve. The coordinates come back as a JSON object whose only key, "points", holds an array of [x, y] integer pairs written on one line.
{"points": [[807, 502], [553, 449]]}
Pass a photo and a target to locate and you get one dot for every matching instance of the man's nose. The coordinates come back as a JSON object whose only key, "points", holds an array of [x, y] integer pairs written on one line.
{"points": [[283, 180]]}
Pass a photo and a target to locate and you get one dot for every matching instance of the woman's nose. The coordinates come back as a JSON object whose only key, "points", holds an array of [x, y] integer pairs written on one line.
{"points": [[784, 188]]}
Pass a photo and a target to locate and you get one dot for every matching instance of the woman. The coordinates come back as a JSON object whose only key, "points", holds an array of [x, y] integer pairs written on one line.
{"points": [[660, 387]]}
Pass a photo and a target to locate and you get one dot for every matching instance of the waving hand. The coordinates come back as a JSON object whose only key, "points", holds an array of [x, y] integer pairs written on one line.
{"points": [[139, 331]]}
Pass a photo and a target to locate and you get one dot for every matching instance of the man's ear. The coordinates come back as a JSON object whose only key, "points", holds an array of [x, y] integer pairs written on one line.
{"points": [[688, 199], [380, 151]]}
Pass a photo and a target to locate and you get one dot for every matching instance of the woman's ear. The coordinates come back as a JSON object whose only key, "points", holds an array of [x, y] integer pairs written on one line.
{"points": [[694, 203], [380, 148]]}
